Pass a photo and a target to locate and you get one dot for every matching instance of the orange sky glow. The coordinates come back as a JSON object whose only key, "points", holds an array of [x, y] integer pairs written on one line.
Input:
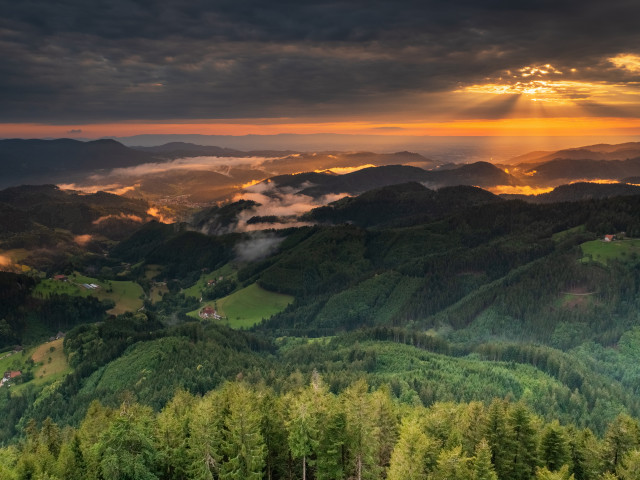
{"points": [[576, 126]]}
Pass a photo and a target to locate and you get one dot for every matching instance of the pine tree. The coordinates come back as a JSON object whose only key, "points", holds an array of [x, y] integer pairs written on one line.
{"points": [[387, 422], [584, 452], [302, 427], [414, 454], [206, 429], [243, 443], [331, 445], [629, 467], [554, 448], [172, 435], [95, 423], [126, 449], [361, 430], [622, 436], [561, 474], [71, 464], [272, 413], [472, 425], [524, 459], [498, 438], [482, 467], [452, 465]]}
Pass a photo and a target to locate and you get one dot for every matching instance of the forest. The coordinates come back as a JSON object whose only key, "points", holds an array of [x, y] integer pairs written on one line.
{"points": [[252, 432], [432, 335]]}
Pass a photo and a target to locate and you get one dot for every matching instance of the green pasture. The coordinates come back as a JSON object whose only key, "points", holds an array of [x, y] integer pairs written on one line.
{"points": [[151, 271], [627, 250], [157, 291], [248, 306], [125, 294], [49, 363]]}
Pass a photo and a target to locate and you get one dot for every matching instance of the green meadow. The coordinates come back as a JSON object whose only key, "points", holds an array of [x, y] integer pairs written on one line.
{"points": [[125, 294], [49, 363], [248, 306], [627, 250]]}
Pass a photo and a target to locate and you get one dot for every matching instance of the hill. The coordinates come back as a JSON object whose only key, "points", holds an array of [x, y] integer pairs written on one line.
{"points": [[354, 183], [622, 151], [306, 162], [579, 191], [174, 150], [564, 170], [447, 295], [61, 160], [403, 204], [51, 227]]}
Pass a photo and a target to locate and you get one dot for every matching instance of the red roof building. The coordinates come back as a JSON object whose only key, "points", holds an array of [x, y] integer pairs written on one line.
{"points": [[207, 312]]}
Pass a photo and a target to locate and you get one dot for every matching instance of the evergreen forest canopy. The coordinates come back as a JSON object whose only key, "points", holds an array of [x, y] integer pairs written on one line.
{"points": [[252, 432], [431, 334]]}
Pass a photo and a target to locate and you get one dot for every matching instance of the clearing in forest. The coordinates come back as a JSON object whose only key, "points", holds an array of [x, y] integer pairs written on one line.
{"points": [[125, 294], [627, 250], [248, 306]]}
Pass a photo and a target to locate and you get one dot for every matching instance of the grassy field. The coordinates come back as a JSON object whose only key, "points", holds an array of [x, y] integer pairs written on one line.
{"points": [[627, 250], [248, 306], [152, 271], [125, 294], [50, 363], [12, 361], [155, 295], [196, 289]]}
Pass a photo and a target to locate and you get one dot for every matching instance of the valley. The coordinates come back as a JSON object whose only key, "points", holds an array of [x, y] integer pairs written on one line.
{"points": [[411, 294]]}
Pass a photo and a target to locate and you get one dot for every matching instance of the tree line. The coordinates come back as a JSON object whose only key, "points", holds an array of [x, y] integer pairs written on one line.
{"points": [[243, 431]]}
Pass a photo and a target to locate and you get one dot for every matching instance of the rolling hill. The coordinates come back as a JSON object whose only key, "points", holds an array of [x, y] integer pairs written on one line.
{"points": [[62, 160]]}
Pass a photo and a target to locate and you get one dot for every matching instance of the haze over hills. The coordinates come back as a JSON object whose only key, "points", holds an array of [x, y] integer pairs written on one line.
{"points": [[200, 174], [320, 184], [579, 191], [623, 151], [47, 161], [443, 149]]}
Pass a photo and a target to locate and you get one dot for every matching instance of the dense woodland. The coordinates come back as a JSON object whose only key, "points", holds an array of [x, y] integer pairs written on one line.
{"points": [[251, 432], [432, 335]]}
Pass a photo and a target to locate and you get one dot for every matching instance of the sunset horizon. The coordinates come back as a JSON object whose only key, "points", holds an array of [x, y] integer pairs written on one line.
{"points": [[461, 69]]}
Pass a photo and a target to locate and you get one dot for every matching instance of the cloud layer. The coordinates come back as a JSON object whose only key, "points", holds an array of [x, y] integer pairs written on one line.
{"points": [[121, 60]]}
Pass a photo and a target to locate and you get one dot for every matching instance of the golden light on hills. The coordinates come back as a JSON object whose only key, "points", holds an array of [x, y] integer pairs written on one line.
{"points": [[518, 190]]}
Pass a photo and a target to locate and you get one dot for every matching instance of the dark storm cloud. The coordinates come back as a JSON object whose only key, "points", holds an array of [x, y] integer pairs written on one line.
{"points": [[78, 61]]}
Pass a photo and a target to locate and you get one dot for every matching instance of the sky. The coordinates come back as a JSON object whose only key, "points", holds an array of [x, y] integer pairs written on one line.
{"points": [[87, 69]]}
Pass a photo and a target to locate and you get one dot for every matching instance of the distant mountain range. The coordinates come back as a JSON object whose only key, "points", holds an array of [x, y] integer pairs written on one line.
{"points": [[622, 151], [576, 192], [175, 150], [49, 161], [316, 185], [602, 161], [563, 170], [140, 171]]}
